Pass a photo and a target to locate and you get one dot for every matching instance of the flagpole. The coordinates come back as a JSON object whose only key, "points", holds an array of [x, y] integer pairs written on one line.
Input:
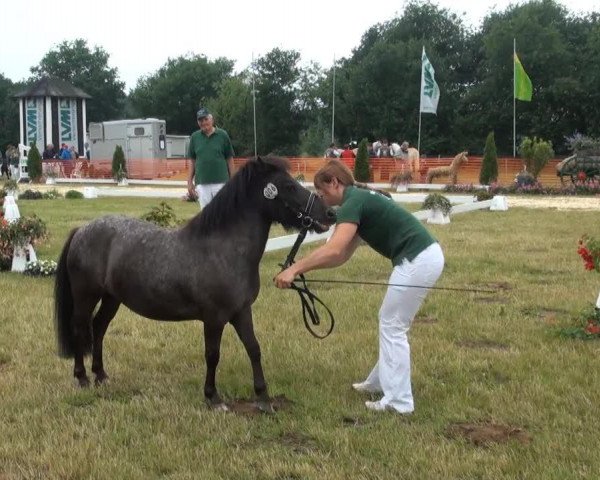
{"points": [[514, 100], [333, 103], [419, 138], [420, 103]]}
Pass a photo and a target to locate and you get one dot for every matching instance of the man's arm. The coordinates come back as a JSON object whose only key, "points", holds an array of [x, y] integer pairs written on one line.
{"points": [[191, 170], [230, 166]]}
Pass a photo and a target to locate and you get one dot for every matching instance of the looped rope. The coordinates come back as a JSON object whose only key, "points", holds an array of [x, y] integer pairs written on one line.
{"points": [[307, 298]]}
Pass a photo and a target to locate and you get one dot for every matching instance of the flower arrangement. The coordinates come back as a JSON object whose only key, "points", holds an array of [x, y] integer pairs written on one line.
{"points": [[588, 325], [589, 251], [40, 268], [437, 201], [23, 231]]}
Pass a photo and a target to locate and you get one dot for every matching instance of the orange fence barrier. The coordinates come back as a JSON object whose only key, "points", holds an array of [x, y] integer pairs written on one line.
{"points": [[382, 169]]}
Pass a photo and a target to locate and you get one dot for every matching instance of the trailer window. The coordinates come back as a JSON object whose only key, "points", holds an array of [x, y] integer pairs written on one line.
{"points": [[138, 131]]}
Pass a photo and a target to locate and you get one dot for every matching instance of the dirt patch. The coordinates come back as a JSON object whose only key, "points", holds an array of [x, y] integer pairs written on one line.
{"points": [[549, 316], [4, 361], [354, 422], [503, 286], [485, 434], [502, 301], [245, 406], [483, 344], [425, 319], [298, 442]]}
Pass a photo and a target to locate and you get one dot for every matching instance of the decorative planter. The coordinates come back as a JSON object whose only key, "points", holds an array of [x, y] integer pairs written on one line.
{"points": [[11, 210], [499, 203], [123, 182], [90, 192], [437, 216], [402, 188], [22, 255], [50, 181]]}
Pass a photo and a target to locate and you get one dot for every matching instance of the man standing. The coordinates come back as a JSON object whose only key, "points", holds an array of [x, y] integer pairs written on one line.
{"points": [[212, 158]]}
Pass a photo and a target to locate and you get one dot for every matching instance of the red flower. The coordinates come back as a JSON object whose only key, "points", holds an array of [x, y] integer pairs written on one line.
{"points": [[592, 328]]}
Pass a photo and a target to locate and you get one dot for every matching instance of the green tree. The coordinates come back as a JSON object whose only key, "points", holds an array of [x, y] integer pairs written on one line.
{"points": [[489, 165], [362, 172], [178, 88], [9, 113], [378, 88], [232, 108], [536, 153], [85, 68], [34, 163], [119, 167], [279, 115]]}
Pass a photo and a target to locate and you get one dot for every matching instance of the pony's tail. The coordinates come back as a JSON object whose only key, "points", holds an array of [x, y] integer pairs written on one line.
{"points": [[63, 305]]}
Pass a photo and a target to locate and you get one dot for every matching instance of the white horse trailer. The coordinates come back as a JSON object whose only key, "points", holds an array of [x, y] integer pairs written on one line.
{"points": [[144, 143]]}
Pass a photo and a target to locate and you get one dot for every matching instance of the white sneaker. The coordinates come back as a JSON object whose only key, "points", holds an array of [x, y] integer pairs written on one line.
{"points": [[365, 387], [378, 407]]}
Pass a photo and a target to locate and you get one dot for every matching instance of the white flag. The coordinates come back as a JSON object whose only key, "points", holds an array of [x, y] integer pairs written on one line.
{"points": [[430, 92]]}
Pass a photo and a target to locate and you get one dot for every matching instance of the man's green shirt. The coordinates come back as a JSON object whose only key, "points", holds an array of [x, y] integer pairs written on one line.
{"points": [[388, 228], [210, 155]]}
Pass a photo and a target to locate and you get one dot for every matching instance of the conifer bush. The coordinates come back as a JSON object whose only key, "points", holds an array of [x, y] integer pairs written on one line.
{"points": [[34, 163], [119, 167], [361, 165], [536, 153], [489, 164]]}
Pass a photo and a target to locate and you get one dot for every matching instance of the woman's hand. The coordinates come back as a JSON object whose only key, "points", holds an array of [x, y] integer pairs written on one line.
{"points": [[285, 278]]}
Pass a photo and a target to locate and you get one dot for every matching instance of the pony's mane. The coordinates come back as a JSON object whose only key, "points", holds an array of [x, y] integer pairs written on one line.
{"points": [[235, 198]]}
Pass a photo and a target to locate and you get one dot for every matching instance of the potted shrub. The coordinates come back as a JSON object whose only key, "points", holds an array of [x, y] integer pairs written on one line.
{"points": [[17, 238], [440, 208]]}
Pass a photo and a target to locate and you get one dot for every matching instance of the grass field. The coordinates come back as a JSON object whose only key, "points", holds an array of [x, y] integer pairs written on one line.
{"points": [[477, 358]]}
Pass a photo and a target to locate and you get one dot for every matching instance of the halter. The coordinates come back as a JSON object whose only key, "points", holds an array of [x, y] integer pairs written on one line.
{"points": [[307, 298]]}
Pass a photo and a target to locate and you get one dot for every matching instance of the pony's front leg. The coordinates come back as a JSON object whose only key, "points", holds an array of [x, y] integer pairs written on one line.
{"points": [[242, 322], [212, 352]]}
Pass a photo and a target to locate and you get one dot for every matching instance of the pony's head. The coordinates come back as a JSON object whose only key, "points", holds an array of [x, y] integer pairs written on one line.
{"points": [[286, 201], [265, 185]]}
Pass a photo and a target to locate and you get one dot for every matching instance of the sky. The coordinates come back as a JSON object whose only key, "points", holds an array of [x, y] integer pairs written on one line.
{"points": [[141, 36]]}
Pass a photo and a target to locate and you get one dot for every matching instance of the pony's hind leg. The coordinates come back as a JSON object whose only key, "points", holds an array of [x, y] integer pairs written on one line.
{"points": [[82, 313], [106, 312], [213, 331], [242, 323]]}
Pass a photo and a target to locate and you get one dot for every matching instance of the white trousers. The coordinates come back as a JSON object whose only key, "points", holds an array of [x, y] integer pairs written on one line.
{"points": [[207, 192], [391, 373]]}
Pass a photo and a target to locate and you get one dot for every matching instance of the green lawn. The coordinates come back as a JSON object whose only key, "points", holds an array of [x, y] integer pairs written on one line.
{"points": [[476, 358]]}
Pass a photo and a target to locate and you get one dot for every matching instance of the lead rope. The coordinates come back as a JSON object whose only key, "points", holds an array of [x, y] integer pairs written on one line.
{"points": [[307, 298]]}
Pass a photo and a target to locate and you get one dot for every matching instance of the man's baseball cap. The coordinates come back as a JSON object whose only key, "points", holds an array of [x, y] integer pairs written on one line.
{"points": [[201, 113]]}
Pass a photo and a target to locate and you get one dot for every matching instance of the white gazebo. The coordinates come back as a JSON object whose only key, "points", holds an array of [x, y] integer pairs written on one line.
{"points": [[52, 111]]}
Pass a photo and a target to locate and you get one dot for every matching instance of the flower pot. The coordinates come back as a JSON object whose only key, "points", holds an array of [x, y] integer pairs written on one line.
{"points": [[51, 181], [436, 216], [499, 203], [123, 182], [22, 255], [402, 188]]}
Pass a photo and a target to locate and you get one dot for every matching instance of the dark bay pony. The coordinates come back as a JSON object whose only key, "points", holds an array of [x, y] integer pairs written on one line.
{"points": [[206, 270]]}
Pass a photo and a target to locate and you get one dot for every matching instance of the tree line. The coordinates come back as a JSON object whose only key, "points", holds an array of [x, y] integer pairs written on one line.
{"points": [[377, 88]]}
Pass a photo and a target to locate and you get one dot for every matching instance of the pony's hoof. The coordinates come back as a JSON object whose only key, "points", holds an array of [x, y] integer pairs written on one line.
{"points": [[265, 407], [82, 382], [101, 380]]}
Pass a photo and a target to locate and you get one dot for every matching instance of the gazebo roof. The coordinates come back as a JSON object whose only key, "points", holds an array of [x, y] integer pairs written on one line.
{"points": [[52, 87]]}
